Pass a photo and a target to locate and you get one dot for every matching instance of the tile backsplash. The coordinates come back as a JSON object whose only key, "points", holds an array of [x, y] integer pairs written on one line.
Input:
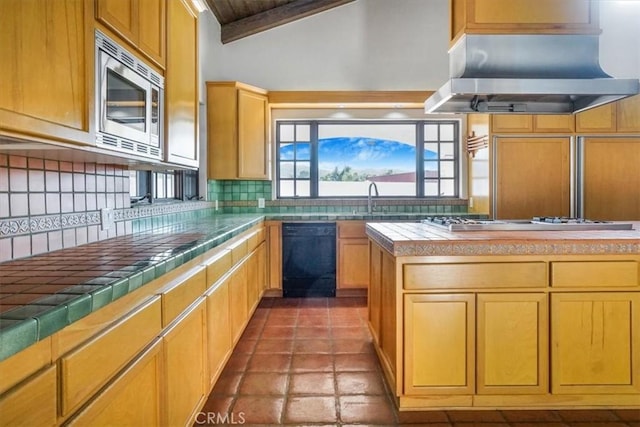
{"points": [[242, 197], [47, 205]]}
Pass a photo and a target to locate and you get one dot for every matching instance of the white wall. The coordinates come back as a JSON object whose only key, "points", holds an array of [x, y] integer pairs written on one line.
{"points": [[378, 45], [363, 45]]}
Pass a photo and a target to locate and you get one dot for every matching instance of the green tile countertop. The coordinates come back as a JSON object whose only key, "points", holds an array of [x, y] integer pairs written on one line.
{"points": [[44, 293]]}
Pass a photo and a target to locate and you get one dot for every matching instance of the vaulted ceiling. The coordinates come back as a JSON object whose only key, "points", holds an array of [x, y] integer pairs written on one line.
{"points": [[242, 18]]}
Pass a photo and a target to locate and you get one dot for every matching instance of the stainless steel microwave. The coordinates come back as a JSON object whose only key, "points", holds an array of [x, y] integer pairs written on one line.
{"points": [[129, 101]]}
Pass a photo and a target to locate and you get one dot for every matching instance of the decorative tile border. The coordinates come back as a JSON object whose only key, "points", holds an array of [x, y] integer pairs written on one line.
{"points": [[11, 227], [159, 209], [41, 223]]}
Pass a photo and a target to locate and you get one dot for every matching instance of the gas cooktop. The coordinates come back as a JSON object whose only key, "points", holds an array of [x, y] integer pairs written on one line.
{"points": [[537, 223]]}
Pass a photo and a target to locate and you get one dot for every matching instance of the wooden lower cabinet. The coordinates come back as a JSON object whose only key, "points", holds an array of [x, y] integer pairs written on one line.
{"points": [[439, 344], [185, 367], [353, 255], [238, 300], [595, 342], [32, 403], [219, 343], [512, 346], [375, 291], [133, 398]]}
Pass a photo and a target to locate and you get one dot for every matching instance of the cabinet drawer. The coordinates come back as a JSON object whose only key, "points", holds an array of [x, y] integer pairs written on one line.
{"points": [[239, 250], [254, 240], [33, 403], [594, 273], [85, 370], [352, 230], [181, 293], [218, 266], [475, 275]]}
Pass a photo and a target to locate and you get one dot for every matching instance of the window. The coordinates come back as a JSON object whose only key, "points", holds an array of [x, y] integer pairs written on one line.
{"points": [[148, 186], [341, 158]]}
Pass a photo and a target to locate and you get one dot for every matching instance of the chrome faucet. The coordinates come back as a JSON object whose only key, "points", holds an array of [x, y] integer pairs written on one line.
{"points": [[369, 199]]}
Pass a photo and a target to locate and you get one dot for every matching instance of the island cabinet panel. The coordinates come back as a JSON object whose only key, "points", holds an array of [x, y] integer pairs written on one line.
{"points": [[532, 177], [512, 332], [32, 403], [388, 314], [594, 273], [185, 366], [474, 275], [353, 255], [595, 343], [46, 78], [133, 398], [446, 323], [375, 291], [611, 178]]}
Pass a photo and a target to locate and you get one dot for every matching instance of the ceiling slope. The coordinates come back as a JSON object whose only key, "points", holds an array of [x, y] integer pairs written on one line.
{"points": [[242, 18]]}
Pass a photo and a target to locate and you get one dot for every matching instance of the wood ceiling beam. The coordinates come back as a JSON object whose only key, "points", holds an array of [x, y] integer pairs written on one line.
{"points": [[274, 17]]}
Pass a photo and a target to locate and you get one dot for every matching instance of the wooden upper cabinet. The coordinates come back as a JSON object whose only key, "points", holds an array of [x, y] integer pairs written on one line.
{"points": [[237, 120], [46, 88], [140, 22], [537, 123], [597, 120], [628, 115], [181, 84], [523, 17], [616, 117], [533, 177]]}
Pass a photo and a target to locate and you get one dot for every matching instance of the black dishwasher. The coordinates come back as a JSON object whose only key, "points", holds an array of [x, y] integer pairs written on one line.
{"points": [[308, 259]]}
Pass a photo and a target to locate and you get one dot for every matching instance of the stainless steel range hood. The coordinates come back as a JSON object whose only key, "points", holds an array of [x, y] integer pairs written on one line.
{"points": [[522, 73]]}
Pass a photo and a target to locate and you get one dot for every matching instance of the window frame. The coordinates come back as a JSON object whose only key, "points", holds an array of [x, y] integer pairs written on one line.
{"points": [[185, 186], [419, 161]]}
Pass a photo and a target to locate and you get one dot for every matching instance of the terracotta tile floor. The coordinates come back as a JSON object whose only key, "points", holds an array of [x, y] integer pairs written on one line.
{"points": [[309, 362]]}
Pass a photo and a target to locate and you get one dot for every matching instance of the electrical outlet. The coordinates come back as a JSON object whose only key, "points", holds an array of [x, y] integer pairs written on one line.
{"points": [[216, 204], [107, 218], [470, 202], [260, 202]]}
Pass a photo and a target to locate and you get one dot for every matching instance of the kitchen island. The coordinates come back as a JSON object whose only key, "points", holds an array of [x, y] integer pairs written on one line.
{"points": [[506, 319]]}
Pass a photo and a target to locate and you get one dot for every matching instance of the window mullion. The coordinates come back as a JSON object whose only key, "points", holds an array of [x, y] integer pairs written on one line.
{"points": [[313, 166], [420, 159]]}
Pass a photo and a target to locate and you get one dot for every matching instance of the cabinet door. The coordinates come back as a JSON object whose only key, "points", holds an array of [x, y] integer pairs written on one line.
{"points": [[32, 403], [628, 115], [511, 123], [44, 78], [611, 178], [121, 16], [512, 349], [439, 344], [353, 263], [152, 29], [375, 290], [185, 366], [595, 343], [533, 177], [132, 399], [218, 330], [597, 120], [554, 123], [238, 298], [252, 135], [181, 85]]}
